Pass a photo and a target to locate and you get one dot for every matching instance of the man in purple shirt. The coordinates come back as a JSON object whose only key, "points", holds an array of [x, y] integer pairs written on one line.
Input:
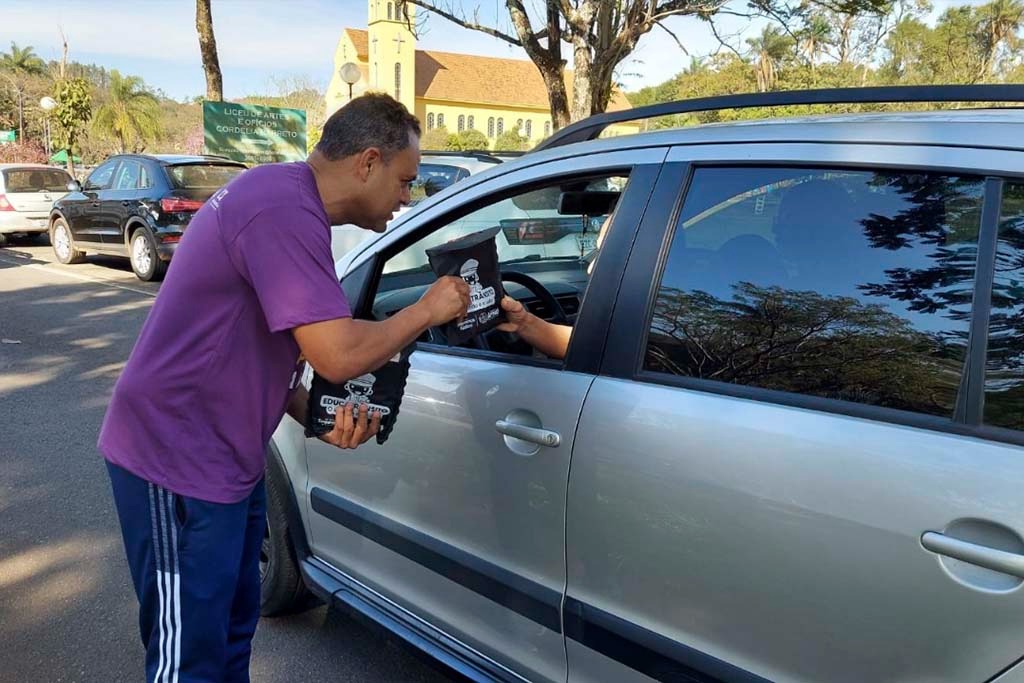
{"points": [[252, 286]]}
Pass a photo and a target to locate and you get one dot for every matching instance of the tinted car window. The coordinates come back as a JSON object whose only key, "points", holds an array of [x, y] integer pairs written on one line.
{"points": [[36, 180], [841, 284], [202, 176], [100, 178], [1004, 380], [433, 178], [128, 176]]}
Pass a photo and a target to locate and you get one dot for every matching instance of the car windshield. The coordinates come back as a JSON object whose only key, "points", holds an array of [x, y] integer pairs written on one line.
{"points": [[36, 180], [197, 176], [433, 178]]}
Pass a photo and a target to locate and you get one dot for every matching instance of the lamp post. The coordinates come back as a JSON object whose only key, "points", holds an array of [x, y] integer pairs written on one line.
{"points": [[48, 104], [350, 73]]}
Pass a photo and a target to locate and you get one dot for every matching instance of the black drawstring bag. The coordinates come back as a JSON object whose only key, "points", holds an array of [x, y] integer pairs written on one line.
{"points": [[381, 389], [474, 258]]}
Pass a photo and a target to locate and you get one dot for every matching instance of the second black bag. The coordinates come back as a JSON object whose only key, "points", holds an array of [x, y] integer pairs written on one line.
{"points": [[381, 390], [474, 258]]}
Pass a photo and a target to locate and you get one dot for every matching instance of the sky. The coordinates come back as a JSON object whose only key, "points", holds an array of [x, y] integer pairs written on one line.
{"points": [[260, 40]]}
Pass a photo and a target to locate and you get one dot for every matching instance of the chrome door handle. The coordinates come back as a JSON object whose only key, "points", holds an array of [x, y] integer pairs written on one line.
{"points": [[972, 553], [541, 437]]}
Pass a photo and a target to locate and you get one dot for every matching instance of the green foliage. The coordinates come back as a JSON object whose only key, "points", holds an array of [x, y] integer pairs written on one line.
{"points": [[130, 114], [22, 153], [73, 111], [467, 140], [23, 61], [511, 141], [435, 139]]}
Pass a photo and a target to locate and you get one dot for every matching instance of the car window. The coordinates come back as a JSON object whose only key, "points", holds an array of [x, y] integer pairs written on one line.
{"points": [[202, 176], [101, 177], [1004, 377], [844, 284], [35, 180], [433, 178], [557, 248], [127, 177], [145, 180]]}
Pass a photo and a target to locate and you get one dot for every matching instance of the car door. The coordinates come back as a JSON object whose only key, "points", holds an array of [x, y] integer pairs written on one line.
{"points": [[119, 202], [455, 519], [799, 452], [83, 210]]}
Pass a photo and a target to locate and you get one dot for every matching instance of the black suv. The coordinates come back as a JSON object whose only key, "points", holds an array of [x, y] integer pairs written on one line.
{"points": [[136, 205]]}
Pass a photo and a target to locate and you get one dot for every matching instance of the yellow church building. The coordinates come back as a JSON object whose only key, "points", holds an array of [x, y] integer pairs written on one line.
{"points": [[445, 89]]}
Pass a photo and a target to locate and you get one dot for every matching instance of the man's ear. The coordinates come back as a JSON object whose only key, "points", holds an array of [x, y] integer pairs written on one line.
{"points": [[370, 160]]}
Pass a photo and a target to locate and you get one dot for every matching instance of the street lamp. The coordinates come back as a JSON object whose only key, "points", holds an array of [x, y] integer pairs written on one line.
{"points": [[350, 73], [48, 104]]}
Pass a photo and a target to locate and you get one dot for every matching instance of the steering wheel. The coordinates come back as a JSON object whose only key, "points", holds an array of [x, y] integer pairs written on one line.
{"points": [[533, 286]]}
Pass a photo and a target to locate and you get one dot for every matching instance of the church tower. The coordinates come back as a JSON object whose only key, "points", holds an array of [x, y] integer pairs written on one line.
{"points": [[392, 50]]}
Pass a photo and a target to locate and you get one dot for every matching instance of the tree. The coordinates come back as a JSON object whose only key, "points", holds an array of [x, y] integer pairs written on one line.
{"points": [[814, 38], [601, 34], [511, 141], [769, 49], [208, 50], [468, 140], [21, 63], [130, 113], [1000, 24], [435, 139], [74, 108]]}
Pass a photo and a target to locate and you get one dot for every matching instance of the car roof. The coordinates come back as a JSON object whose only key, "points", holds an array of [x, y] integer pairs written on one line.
{"points": [[1001, 128], [10, 165], [172, 159], [470, 163]]}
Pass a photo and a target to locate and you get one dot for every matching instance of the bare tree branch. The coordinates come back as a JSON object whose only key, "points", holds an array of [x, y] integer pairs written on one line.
{"points": [[722, 41], [465, 23], [666, 29]]}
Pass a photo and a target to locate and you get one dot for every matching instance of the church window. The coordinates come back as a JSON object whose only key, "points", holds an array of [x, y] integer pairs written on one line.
{"points": [[462, 123], [490, 127], [398, 81], [390, 17], [471, 124], [430, 121], [529, 128], [501, 126], [440, 120], [547, 128], [519, 126]]}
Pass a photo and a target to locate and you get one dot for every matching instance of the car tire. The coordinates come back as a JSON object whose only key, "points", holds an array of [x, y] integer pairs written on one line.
{"points": [[282, 590], [64, 244], [142, 253]]}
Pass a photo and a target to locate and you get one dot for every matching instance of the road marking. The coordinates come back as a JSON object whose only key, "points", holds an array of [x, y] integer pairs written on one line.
{"points": [[75, 276]]}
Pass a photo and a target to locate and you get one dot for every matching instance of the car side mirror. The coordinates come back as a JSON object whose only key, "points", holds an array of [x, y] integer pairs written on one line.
{"points": [[74, 186]]}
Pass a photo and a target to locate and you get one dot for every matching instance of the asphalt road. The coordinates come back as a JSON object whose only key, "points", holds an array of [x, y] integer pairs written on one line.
{"points": [[67, 611]]}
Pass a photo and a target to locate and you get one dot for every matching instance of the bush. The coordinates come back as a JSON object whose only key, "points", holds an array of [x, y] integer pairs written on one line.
{"points": [[23, 153], [435, 139], [511, 141], [468, 140]]}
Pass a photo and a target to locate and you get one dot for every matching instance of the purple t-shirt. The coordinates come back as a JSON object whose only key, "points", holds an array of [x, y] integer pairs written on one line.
{"points": [[208, 380]]}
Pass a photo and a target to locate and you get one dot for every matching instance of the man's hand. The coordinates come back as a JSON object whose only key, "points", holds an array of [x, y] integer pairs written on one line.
{"points": [[350, 433], [518, 317], [447, 299]]}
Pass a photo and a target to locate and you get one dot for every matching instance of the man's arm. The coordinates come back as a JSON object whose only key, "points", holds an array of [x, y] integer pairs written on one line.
{"points": [[550, 339], [344, 348]]}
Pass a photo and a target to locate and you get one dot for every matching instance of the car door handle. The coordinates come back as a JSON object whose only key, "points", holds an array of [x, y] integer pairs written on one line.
{"points": [[972, 553], [541, 437], [95, 204]]}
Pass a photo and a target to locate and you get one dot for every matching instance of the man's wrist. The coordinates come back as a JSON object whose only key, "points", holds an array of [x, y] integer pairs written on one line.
{"points": [[421, 316]]}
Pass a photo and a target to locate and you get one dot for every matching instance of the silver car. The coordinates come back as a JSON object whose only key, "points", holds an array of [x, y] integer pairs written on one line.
{"points": [[27, 193], [786, 442]]}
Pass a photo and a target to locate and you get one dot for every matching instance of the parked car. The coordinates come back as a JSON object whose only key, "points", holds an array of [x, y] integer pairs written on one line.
{"points": [[438, 171], [136, 206], [786, 442], [27, 193]]}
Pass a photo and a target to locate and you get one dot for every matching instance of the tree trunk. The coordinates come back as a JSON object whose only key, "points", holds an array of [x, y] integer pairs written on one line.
{"points": [[582, 98], [208, 48], [21, 117]]}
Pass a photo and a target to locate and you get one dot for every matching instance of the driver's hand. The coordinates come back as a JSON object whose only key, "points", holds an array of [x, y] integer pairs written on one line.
{"points": [[518, 316], [350, 433]]}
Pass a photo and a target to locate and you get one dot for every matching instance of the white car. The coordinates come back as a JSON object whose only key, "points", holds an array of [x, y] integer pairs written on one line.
{"points": [[27, 193]]}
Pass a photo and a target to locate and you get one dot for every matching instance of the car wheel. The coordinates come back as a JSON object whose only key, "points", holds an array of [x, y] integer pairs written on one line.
{"points": [[145, 261], [63, 244], [282, 590]]}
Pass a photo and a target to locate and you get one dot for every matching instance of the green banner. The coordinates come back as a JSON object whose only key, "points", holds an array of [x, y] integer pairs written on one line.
{"points": [[253, 133], [8, 136]]}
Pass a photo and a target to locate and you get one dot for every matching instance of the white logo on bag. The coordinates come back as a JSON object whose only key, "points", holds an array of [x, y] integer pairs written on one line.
{"points": [[359, 391], [479, 297]]}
